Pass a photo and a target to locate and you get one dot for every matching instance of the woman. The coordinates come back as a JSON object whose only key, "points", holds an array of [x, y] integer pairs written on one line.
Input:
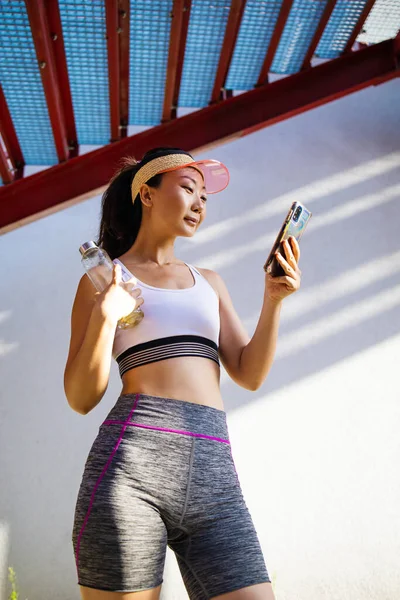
{"points": [[160, 470]]}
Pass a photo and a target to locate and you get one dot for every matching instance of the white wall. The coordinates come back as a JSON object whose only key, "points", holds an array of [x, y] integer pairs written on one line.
{"points": [[317, 447]]}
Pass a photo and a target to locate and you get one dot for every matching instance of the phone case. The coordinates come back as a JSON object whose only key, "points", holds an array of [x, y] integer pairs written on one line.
{"points": [[294, 225]]}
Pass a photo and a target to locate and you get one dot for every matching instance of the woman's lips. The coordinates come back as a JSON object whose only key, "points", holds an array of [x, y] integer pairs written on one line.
{"points": [[192, 221]]}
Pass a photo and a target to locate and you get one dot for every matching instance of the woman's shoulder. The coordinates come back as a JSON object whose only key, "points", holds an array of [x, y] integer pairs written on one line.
{"points": [[213, 278]]}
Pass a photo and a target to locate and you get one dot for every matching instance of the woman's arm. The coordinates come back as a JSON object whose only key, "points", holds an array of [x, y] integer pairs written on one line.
{"points": [[88, 365], [248, 361], [258, 355]]}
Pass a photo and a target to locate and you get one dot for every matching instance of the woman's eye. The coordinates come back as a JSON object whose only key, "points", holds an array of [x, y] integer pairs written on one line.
{"points": [[204, 198]]}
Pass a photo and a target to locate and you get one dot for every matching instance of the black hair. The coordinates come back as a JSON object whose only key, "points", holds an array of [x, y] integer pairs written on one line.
{"points": [[120, 218]]}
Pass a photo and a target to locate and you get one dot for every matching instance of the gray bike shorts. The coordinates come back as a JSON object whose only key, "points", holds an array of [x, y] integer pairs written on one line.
{"points": [[160, 472]]}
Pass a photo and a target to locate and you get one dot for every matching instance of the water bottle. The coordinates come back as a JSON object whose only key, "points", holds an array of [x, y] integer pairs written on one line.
{"points": [[99, 267]]}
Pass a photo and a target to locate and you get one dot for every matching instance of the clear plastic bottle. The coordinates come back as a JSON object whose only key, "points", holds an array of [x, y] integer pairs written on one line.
{"points": [[99, 267]]}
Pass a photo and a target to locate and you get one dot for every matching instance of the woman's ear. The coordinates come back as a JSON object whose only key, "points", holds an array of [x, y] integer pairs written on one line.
{"points": [[145, 195]]}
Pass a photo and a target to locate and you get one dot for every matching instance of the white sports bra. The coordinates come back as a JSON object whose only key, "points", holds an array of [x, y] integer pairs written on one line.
{"points": [[177, 322]]}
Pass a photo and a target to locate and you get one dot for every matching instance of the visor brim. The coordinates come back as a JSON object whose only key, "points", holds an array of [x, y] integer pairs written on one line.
{"points": [[215, 174]]}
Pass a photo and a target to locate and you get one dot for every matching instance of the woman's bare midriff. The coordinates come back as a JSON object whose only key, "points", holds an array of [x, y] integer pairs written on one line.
{"points": [[187, 378]]}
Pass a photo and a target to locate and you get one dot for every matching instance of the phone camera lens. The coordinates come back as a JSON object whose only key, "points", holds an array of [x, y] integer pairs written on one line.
{"points": [[297, 214]]}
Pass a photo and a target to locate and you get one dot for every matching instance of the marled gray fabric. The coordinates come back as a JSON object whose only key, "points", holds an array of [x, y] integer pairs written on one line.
{"points": [[144, 488]]}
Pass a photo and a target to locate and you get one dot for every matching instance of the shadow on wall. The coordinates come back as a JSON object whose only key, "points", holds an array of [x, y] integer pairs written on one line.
{"points": [[350, 261]]}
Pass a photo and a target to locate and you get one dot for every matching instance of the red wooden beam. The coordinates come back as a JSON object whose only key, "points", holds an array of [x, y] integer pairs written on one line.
{"points": [[36, 10], [6, 171], [228, 47], [113, 67], [203, 129], [11, 150], [181, 56], [275, 39], [326, 15], [177, 44], [123, 36], [358, 25], [56, 34]]}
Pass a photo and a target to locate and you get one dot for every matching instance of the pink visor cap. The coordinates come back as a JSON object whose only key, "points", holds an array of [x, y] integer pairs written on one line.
{"points": [[214, 172]]}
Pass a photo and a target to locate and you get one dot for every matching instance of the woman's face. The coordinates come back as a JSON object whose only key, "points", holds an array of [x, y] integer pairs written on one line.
{"points": [[180, 197]]}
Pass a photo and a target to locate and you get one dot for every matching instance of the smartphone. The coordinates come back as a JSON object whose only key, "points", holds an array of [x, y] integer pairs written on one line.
{"points": [[294, 225]]}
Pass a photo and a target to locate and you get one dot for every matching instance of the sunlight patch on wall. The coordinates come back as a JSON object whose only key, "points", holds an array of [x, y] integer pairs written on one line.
{"points": [[306, 194], [350, 316], [352, 280], [4, 554], [264, 242]]}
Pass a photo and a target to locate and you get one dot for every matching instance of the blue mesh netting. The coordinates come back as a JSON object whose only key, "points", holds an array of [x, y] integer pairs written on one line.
{"points": [[22, 85], [84, 32], [297, 36], [256, 29], [339, 28], [150, 25], [207, 25]]}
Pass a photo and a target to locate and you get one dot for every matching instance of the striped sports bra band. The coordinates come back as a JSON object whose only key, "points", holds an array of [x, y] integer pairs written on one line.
{"points": [[164, 348]]}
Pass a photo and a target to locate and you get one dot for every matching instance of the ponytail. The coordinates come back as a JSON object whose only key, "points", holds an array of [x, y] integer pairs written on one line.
{"points": [[120, 218]]}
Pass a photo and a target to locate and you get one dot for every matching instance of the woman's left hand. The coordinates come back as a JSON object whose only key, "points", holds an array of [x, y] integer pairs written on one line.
{"points": [[279, 288]]}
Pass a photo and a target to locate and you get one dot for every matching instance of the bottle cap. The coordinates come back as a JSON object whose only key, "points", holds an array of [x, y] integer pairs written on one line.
{"points": [[86, 246]]}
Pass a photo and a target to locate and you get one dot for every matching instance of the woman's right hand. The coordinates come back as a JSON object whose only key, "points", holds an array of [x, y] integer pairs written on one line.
{"points": [[120, 298]]}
